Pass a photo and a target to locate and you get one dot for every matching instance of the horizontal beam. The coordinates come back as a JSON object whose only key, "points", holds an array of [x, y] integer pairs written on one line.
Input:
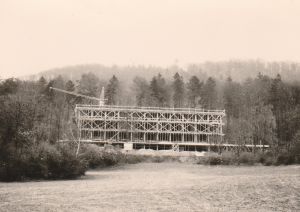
{"points": [[152, 131], [152, 120], [150, 109], [170, 143]]}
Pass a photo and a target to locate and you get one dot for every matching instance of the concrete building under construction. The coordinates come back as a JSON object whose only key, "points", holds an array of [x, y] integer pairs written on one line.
{"points": [[151, 127], [163, 127]]}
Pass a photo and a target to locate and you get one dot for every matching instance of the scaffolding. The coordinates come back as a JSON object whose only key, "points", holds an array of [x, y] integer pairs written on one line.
{"points": [[149, 124], [152, 127]]}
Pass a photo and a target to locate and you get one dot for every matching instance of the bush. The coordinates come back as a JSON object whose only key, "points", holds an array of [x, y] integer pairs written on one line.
{"points": [[43, 161], [266, 158], [202, 160], [157, 159], [229, 158], [112, 157], [214, 160], [101, 157], [211, 158], [93, 155], [226, 158], [133, 159], [284, 159], [247, 158], [65, 164]]}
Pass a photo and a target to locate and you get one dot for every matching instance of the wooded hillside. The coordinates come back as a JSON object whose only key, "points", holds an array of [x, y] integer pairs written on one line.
{"points": [[259, 110]]}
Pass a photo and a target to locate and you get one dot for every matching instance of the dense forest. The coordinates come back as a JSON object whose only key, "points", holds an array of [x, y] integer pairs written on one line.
{"points": [[238, 70], [264, 109]]}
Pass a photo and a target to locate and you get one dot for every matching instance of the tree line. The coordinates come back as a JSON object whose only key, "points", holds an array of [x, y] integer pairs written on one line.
{"points": [[261, 110], [238, 70]]}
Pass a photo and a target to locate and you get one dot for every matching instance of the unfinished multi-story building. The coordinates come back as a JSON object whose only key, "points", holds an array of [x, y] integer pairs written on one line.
{"points": [[153, 127]]}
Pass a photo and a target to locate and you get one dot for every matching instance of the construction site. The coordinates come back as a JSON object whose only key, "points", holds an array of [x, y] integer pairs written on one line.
{"points": [[157, 128]]}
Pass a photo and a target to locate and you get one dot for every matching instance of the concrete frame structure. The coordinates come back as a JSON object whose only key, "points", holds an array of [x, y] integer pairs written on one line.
{"points": [[150, 125]]}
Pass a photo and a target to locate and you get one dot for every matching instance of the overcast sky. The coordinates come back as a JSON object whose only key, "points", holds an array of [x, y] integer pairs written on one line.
{"points": [[36, 35]]}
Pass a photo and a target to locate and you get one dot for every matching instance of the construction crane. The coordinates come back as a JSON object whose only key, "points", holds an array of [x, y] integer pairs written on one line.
{"points": [[101, 99], [101, 103]]}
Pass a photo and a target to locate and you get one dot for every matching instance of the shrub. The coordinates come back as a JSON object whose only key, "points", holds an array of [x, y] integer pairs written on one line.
{"points": [[284, 158], [43, 161], [157, 159], [202, 160], [65, 165], [133, 159], [268, 161], [112, 157], [101, 157], [93, 155], [266, 158], [214, 160], [228, 158], [247, 158]]}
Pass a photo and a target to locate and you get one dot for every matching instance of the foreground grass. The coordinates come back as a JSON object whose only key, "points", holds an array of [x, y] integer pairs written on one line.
{"points": [[163, 187]]}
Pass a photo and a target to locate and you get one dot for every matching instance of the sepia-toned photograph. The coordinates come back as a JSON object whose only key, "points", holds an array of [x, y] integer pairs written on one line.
{"points": [[149, 105]]}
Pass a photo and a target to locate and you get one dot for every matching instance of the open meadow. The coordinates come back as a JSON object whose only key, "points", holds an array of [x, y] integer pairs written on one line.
{"points": [[161, 187]]}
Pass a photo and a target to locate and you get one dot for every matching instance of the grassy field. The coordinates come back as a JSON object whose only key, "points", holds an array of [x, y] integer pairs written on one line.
{"points": [[162, 187]]}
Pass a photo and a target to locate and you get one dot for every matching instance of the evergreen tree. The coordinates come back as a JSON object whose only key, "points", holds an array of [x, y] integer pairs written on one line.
{"points": [[112, 91], [178, 91], [9, 86], [232, 98], [89, 85], [70, 86], [256, 110], [42, 83], [282, 102], [154, 92], [58, 111], [159, 92], [193, 91], [264, 125], [209, 94], [141, 91]]}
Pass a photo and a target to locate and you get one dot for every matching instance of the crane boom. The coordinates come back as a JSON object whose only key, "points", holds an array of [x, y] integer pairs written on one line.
{"points": [[75, 94]]}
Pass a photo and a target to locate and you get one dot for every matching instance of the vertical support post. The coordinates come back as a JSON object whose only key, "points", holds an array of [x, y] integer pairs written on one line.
{"points": [[131, 129], [182, 128], [195, 129], [208, 120], [104, 136], [220, 140], [221, 132], [209, 143], [79, 139], [157, 127], [144, 125], [118, 126], [169, 131]]}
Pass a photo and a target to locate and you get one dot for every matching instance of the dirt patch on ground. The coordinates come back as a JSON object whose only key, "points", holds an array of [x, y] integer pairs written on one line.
{"points": [[162, 187]]}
